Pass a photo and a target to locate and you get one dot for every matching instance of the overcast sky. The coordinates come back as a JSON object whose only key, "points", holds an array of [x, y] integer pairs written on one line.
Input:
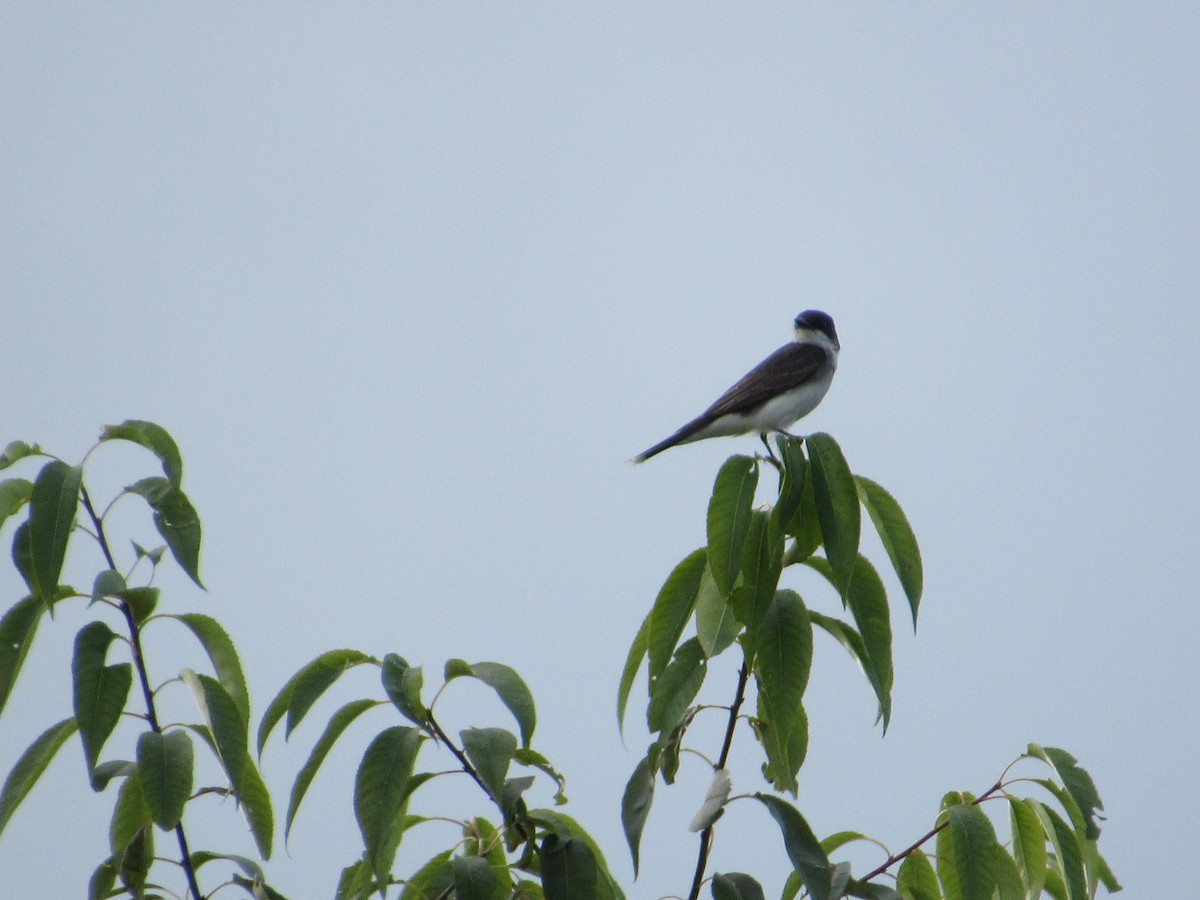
{"points": [[410, 284]]}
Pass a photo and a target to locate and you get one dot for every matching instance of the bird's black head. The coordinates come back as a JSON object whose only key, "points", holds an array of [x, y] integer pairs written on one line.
{"points": [[815, 320]]}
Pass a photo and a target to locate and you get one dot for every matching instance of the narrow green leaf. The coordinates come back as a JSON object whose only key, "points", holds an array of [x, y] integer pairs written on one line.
{"points": [[155, 439], [868, 604], [165, 763], [250, 867], [255, 801], [223, 655], [792, 479], [14, 494], [898, 539], [402, 683], [100, 691], [490, 751], [381, 789], [916, 879], [22, 558], [729, 517], [17, 630], [357, 883], [633, 662], [866, 889], [673, 691], [130, 815], [513, 693], [802, 846], [1029, 845], [473, 878], [51, 516], [964, 854], [527, 757], [137, 860], [805, 527], [104, 878], [432, 880], [785, 751], [635, 807], [716, 625], [762, 562], [110, 769], [836, 497], [1009, 885], [672, 610], [736, 886], [1077, 781], [853, 642], [30, 766], [16, 451], [333, 663], [176, 520], [338, 723], [223, 720], [1068, 858], [783, 659]]}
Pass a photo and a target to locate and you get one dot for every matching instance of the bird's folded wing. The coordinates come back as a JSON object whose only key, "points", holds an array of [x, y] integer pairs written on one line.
{"points": [[788, 367]]}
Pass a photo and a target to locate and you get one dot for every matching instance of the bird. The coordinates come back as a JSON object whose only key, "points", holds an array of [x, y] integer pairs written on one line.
{"points": [[782, 389]]}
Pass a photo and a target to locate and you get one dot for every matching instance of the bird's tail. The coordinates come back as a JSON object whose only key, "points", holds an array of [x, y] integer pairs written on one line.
{"points": [[682, 436]]}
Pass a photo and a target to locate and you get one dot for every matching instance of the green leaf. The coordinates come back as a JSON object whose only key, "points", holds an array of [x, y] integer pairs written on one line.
{"points": [[868, 604], [673, 691], [104, 878], [512, 691], [402, 683], [762, 562], [22, 558], [716, 625], [1009, 885], [338, 723], [783, 659], [785, 750], [141, 602], [381, 789], [14, 494], [853, 642], [308, 685], [729, 517], [1029, 844], [836, 496], [633, 662], [110, 769], [569, 870], [176, 520], [1068, 858], [565, 828], [792, 479], [635, 807], [130, 815], [224, 722], [137, 860], [898, 539], [432, 879], [223, 655], [30, 766], [1077, 781], [473, 878], [736, 886], [17, 629], [16, 451], [250, 867], [155, 439], [527, 757], [255, 802], [802, 846], [51, 516], [100, 691], [165, 763], [108, 583], [490, 751], [964, 854], [672, 610], [916, 879]]}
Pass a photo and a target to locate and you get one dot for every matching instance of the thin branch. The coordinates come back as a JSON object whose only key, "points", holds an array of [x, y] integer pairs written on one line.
{"points": [[139, 664], [707, 834]]}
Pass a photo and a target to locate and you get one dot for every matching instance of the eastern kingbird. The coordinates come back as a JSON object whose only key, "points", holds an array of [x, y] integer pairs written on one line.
{"points": [[783, 388]]}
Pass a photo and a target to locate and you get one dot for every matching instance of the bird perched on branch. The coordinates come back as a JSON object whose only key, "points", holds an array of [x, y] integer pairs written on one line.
{"points": [[782, 389]]}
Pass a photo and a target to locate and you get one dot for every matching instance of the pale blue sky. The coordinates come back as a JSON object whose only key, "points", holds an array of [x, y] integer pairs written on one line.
{"points": [[409, 284]]}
